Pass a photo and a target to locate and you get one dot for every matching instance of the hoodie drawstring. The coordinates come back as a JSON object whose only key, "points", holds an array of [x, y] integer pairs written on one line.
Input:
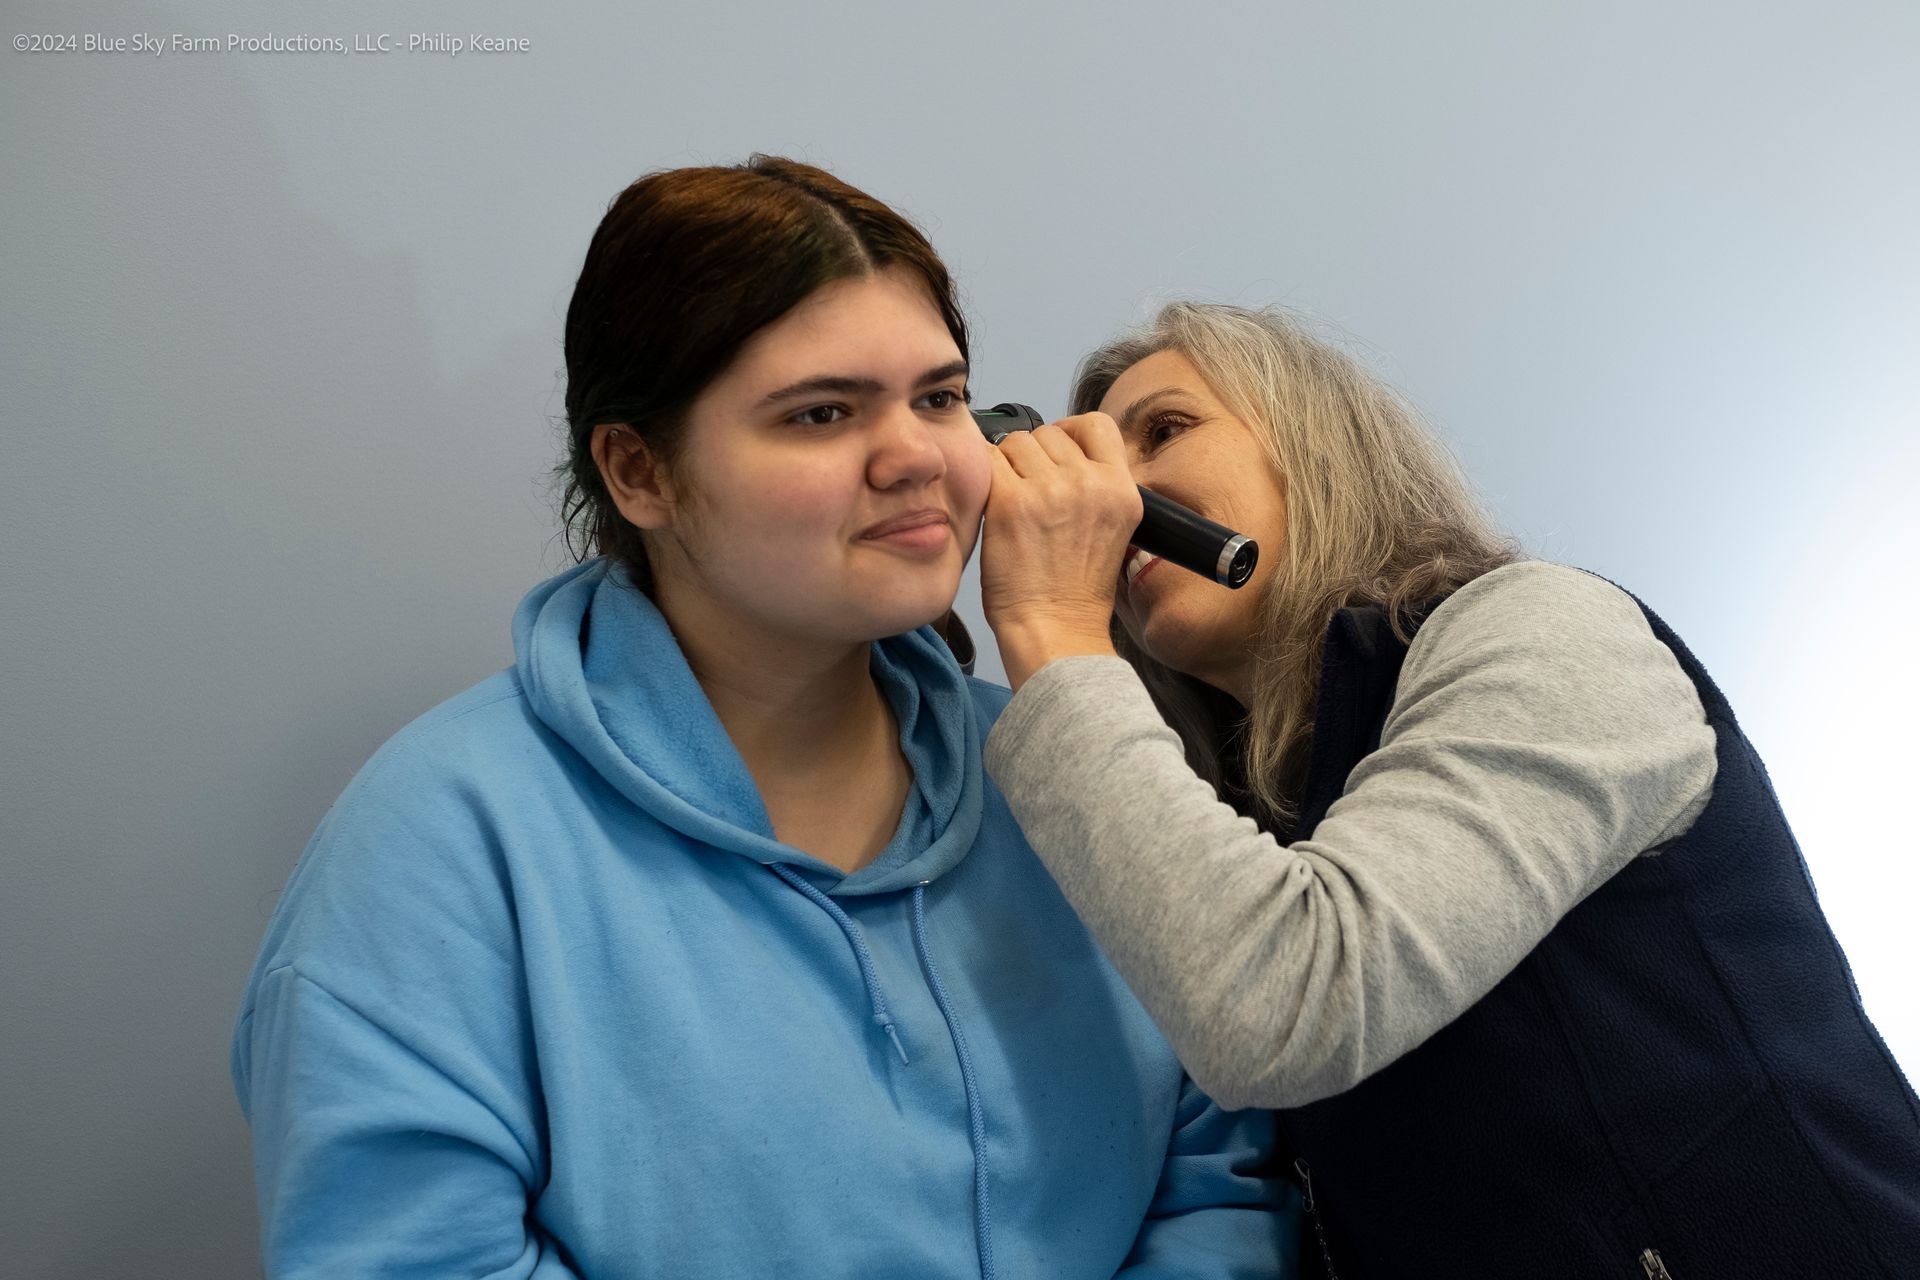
{"points": [[976, 1114], [881, 1017], [976, 1117]]}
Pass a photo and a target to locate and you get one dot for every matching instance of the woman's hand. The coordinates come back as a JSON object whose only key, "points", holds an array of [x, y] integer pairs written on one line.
{"points": [[1062, 509]]}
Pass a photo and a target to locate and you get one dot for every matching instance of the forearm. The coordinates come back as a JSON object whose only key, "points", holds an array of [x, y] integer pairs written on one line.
{"points": [[1515, 774], [1026, 647], [1232, 944]]}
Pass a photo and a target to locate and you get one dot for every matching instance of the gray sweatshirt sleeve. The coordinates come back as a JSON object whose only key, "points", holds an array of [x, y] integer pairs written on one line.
{"points": [[1540, 737]]}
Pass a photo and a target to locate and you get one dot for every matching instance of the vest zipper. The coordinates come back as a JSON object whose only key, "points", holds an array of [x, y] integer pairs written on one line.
{"points": [[1313, 1211], [1651, 1264]]}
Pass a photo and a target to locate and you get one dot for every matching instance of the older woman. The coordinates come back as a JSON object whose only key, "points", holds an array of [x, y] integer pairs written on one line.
{"points": [[1459, 860]]}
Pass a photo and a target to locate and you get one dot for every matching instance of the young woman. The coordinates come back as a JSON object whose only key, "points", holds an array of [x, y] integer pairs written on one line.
{"points": [[696, 943], [1460, 860]]}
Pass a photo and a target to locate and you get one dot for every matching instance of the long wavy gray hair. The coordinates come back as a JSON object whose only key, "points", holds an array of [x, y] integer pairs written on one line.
{"points": [[1377, 512]]}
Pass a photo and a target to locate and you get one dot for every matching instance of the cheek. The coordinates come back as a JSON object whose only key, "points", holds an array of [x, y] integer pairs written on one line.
{"points": [[764, 524], [969, 477], [800, 492], [1264, 499]]}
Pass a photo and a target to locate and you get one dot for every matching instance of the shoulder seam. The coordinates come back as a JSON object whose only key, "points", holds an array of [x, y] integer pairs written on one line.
{"points": [[533, 1164]]}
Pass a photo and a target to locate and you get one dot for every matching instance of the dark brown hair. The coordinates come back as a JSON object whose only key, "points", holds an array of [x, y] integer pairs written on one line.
{"points": [[686, 266]]}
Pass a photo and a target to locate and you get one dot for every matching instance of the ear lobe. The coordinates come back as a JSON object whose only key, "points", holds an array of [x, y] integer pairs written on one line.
{"points": [[634, 476]]}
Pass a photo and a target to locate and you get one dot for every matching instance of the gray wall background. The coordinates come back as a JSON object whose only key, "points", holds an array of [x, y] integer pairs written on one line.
{"points": [[281, 358]]}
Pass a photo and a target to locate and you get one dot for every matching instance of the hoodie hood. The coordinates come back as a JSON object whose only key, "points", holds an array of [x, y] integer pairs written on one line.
{"points": [[601, 669]]}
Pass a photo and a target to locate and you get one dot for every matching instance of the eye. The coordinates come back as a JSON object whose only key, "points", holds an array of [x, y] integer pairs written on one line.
{"points": [[945, 399], [819, 415], [1163, 427]]}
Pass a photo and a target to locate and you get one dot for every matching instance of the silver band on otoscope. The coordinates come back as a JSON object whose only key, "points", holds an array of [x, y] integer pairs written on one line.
{"points": [[1223, 570]]}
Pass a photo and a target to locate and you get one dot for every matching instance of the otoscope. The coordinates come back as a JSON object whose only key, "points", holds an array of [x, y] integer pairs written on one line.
{"points": [[1167, 529]]}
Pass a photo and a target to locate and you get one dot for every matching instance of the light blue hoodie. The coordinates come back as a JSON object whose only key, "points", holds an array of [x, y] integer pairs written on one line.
{"points": [[545, 997]]}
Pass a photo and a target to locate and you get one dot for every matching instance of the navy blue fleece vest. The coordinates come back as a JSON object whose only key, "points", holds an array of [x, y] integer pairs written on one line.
{"points": [[1682, 1065]]}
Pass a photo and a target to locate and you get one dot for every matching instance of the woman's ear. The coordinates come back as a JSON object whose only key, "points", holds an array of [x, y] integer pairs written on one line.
{"points": [[636, 479]]}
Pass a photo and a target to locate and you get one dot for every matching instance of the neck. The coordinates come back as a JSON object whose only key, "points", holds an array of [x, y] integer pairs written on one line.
{"points": [[796, 709], [1233, 679], [1236, 683]]}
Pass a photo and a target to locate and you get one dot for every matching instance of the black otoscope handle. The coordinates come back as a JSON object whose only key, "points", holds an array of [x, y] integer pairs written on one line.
{"points": [[1167, 529]]}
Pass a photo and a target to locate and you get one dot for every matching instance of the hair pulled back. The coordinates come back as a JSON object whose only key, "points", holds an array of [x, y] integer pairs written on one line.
{"points": [[685, 267]]}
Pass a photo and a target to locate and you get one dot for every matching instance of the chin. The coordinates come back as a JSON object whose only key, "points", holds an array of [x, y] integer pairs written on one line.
{"points": [[1172, 641], [904, 611]]}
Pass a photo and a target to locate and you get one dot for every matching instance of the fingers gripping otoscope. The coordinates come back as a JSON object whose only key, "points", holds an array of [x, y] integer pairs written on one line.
{"points": [[1167, 529]]}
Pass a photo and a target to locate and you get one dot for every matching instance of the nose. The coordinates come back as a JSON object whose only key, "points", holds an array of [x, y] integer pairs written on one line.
{"points": [[905, 450]]}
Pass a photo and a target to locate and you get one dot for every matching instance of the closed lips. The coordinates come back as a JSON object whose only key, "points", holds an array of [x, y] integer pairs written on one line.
{"points": [[899, 524]]}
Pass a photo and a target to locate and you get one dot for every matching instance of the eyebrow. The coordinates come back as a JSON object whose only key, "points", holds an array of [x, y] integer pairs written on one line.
{"points": [[1130, 418], [841, 384]]}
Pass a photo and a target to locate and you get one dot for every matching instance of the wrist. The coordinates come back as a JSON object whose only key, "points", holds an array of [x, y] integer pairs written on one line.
{"points": [[1025, 648]]}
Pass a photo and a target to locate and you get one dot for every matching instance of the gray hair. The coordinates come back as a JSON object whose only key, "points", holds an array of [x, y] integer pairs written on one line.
{"points": [[1377, 512]]}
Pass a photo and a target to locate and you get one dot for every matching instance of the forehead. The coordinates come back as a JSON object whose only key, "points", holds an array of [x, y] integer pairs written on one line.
{"points": [[1161, 371], [884, 319]]}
